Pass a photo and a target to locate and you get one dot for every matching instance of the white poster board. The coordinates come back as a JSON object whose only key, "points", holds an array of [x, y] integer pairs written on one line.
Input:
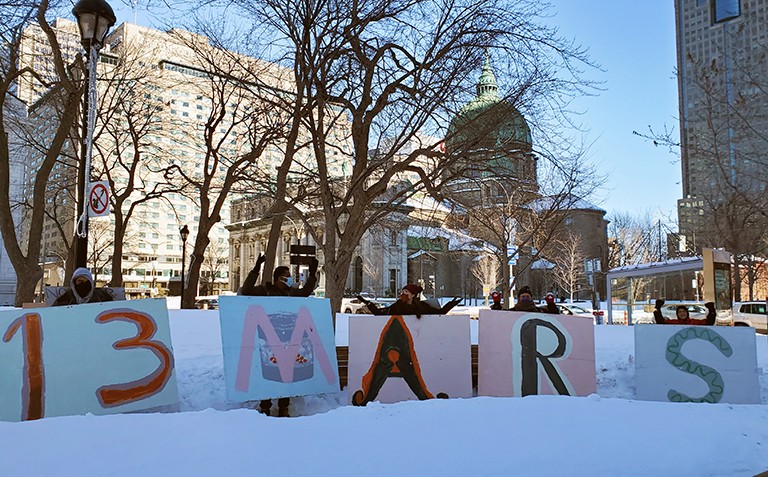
{"points": [[522, 354], [696, 364], [102, 358], [398, 358]]}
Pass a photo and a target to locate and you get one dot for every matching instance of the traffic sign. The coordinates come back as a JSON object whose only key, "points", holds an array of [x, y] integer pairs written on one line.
{"points": [[98, 199]]}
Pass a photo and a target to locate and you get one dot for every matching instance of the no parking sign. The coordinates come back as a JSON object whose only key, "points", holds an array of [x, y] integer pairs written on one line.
{"points": [[98, 199]]}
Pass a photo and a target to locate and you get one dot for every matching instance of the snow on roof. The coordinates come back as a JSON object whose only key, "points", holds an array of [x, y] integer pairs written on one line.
{"points": [[542, 264], [419, 254], [648, 265], [576, 203], [425, 202], [457, 239]]}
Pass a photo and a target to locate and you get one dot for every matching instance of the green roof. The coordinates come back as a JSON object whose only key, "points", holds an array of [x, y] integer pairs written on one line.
{"points": [[488, 121]]}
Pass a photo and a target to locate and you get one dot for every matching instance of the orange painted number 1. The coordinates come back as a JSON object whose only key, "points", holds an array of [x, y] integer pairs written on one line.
{"points": [[32, 393]]}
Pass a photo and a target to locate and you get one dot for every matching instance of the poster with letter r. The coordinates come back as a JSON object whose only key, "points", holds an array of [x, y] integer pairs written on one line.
{"points": [[522, 354]]}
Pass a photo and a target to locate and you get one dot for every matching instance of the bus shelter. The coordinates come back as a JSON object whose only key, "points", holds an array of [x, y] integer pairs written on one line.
{"points": [[633, 290]]}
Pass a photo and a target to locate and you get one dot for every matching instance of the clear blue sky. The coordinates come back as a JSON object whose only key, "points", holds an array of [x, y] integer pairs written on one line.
{"points": [[634, 42]]}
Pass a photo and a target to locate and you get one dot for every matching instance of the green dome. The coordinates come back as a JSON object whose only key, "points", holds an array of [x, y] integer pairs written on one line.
{"points": [[488, 121]]}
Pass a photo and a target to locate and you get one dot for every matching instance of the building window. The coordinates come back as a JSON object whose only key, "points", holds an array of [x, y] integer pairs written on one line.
{"points": [[724, 10]]}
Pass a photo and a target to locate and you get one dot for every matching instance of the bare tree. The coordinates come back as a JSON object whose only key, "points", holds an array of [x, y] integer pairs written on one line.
{"points": [[132, 139], [61, 105], [385, 72], [241, 124], [214, 266], [569, 265], [486, 270], [633, 239], [722, 145]]}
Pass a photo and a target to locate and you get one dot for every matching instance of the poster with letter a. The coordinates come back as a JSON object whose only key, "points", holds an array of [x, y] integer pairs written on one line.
{"points": [[522, 354], [399, 358], [677, 363], [102, 358], [277, 347]]}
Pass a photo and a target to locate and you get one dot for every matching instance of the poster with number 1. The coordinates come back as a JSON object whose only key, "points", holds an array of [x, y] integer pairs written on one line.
{"points": [[100, 358]]}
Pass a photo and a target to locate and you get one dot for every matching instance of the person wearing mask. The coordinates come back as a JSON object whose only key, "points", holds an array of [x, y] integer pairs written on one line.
{"points": [[683, 316], [281, 285], [496, 299], [551, 306], [410, 304], [81, 290], [525, 301]]}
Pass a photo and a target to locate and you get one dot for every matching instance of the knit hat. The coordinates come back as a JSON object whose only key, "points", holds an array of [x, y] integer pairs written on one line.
{"points": [[524, 290], [413, 288]]}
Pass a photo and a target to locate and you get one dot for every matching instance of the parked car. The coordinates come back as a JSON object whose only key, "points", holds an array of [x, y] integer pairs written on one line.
{"points": [[355, 306], [751, 313], [578, 310], [207, 304], [575, 310]]}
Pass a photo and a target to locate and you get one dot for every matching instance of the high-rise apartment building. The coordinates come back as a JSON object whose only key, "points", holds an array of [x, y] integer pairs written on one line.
{"points": [[723, 97], [170, 93]]}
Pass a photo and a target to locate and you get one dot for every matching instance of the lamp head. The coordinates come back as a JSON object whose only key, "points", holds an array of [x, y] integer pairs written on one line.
{"points": [[94, 18]]}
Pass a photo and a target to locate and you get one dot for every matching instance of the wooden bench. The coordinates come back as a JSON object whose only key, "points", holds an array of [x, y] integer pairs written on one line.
{"points": [[342, 355]]}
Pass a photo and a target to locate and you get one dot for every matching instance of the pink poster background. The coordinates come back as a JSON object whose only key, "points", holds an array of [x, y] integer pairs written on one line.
{"points": [[442, 345], [499, 357]]}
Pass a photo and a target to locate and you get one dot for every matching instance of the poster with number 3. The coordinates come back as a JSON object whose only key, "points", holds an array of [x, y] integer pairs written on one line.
{"points": [[100, 358]]}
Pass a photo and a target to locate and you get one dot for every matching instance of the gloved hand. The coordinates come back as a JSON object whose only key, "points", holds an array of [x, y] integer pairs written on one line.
{"points": [[449, 306], [659, 304], [260, 261], [313, 266], [710, 306]]}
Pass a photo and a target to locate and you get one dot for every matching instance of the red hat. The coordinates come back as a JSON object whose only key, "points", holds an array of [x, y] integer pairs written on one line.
{"points": [[496, 296], [413, 288]]}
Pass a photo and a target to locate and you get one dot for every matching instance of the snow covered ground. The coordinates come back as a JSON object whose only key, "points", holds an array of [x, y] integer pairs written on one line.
{"points": [[608, 433]]}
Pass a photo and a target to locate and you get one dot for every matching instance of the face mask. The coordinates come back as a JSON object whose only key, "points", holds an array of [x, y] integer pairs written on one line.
{"points": [[288, 281], [83, 289], [526, 299]]}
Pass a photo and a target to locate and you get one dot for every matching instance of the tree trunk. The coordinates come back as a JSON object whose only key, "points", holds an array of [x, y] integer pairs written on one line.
{"points": [[27, 277], [117, 252], [194, 265], [736, 279], [506, 301]]}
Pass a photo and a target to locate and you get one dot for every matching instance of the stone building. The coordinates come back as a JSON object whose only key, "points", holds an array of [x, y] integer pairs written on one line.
{"points": [[722, 66], [173, 87]]}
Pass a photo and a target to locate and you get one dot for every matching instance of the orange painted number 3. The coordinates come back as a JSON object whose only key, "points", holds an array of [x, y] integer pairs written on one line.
{"points": [[119, 394]]}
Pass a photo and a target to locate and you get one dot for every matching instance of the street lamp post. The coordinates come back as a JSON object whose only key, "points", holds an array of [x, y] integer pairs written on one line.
{"points": [[184, 232], [94, 18]]}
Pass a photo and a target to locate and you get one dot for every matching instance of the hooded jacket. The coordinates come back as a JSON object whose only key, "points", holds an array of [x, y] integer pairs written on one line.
{"points": [[79, 294]]}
